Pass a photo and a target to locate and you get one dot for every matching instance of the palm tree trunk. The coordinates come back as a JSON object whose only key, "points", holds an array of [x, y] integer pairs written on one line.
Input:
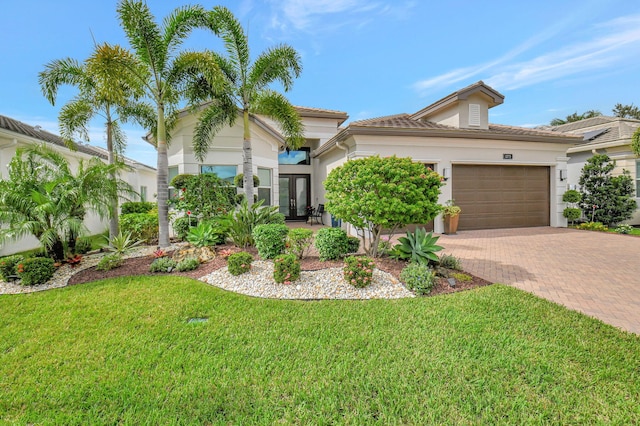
{"points": [[163, 177], [247, 165], [113, 217]]}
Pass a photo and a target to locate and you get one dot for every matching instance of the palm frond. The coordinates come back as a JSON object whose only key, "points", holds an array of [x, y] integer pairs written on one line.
{"points": [[143, 33], [178, 24], [225, 24], [274, 105], [281, 63], [73, 120], [60, 72], [220, 113]]}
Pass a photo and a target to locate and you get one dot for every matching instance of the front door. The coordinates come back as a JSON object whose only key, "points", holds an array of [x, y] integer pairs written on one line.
{"points": [[295, 196]]}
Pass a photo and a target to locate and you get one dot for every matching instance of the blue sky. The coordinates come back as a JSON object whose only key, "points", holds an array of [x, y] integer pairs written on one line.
{"points": [[368, 57]]}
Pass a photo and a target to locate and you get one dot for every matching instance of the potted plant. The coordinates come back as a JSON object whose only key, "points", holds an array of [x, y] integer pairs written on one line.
{"points": [[451, 214]]}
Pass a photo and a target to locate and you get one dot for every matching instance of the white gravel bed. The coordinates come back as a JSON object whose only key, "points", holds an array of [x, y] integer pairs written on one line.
{"points": [[323, 284], [62, 274]]}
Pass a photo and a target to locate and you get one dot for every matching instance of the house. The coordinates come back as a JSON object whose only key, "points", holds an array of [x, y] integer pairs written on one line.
{"points": [[501, 176], [603, 135], [14, 134]]}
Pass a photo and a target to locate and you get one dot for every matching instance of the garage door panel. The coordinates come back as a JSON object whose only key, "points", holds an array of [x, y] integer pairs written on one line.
{"points": [[501, 196]]}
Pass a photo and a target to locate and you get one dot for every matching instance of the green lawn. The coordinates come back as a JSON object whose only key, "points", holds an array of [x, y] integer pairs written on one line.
{"points": [[122, 351]]}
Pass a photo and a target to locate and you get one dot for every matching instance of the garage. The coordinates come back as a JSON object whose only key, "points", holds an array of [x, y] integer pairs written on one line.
{"points": [[501, 196]]}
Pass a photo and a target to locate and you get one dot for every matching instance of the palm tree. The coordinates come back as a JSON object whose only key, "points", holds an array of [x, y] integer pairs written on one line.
{"points": [[248, 89], [44, 198], [575, 117], [165, 75], [101, 93]]}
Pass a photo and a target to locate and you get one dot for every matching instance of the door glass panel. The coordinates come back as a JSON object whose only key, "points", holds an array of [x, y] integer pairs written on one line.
{"points": [[301, 196], [284, 196]]}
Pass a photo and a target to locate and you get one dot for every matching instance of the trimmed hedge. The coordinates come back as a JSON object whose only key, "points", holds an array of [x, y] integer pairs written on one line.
{"points": [[36, 270], [270, 239]]}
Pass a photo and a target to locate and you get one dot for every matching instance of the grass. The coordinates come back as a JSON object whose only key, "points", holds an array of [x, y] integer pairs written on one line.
{"points": [[122, 351]]}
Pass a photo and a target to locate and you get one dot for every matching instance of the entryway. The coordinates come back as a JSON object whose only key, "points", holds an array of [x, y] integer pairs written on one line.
{"points": [[295, 195]]}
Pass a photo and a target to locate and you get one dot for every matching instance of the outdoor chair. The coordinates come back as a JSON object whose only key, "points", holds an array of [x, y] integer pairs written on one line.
{"points": [[316, 214]]}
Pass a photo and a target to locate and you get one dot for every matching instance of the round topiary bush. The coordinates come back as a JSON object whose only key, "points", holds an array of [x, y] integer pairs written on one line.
{"points": [[270, 239], [332, 243]]}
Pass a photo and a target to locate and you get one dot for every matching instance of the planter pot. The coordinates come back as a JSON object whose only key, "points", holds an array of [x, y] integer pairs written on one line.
{"points": [[451, 224]]}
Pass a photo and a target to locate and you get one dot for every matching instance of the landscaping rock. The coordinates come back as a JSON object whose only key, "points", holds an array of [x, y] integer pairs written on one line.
{"points": [[203, 254]]}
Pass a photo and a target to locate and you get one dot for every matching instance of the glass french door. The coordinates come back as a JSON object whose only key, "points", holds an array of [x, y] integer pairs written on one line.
{"points": [[295, 196]]}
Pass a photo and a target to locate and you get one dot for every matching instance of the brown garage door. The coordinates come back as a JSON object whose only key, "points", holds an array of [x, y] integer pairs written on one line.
{"points": [[501, 196]]}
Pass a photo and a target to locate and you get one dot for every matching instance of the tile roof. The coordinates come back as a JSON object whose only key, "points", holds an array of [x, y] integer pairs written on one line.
{"points": [[615, 129], [36, 132]]}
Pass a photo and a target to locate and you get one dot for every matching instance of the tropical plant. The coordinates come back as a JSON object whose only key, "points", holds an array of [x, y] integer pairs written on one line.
{"points": [[270, 239], [358, 270], [109, 262], [299, 242], [205, 195], [36, 270], [449, 261], [418, 247], [450, 209], [246, 89], [418, 278], [575, 117], [239, 263], [375, 194], [83, 245], [331, 243], [163, 264], [286, 268], [162, 71], [239, 224], [137, 207], [187, 264], [141, 226], [204, 235], [101, 93], [182, 225], [626, 111], [606, 198], [42, 197], [122, 243]]}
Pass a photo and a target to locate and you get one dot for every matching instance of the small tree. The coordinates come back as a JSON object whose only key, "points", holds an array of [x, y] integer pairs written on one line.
{"points": [[606, 198], [571, 212], [374, 194]]}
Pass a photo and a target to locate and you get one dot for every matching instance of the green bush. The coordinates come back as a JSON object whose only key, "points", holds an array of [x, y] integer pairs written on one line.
{"points": [[332, 243], [141, 226], [572, 213], [286, 268], [239, 181], [180, 181], [239, 263], [463, 278], [449, 261], [572, 196], [624, 229], [418, 278], [593, 226], [299, 242], [358, 270], [353, 244], [206, 234], [35, 271], [188, 264], [8, 266], [239, 224], [418, 247], [163, 264], [137, 207], [270, 239], [109, 262], [205, 196], [83, 245], [182, 224]]}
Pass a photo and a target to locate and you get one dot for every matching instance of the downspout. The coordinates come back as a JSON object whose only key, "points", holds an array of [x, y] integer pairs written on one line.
{"points": [[14, 142]]}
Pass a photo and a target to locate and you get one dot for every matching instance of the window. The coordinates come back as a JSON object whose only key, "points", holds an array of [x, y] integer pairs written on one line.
{"points": [[226, 173], [173, 172], [430, 166], [143, 193], [264, 190], [299, 157], [638, 178]]}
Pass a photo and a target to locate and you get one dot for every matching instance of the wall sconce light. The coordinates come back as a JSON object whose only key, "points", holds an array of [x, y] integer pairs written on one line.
{"points": [[563, 175], [445, 173]]}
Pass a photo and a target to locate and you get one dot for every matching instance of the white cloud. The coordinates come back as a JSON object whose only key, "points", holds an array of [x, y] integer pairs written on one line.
{"points": [[614, 43]]}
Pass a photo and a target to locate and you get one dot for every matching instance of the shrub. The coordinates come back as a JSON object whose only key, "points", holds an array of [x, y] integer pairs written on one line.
{"points": [[418, 278], [572, 213], [122, 243], [163, 264], [83, 245], [204, 235], [141, 226], [182, 224], [353, 244], [35, 271], [270, 239], [463, 278], [137, 207], [299, 242], [239, 263], [449, 261], [239, 224], [593, 226], [109, 262], [239, 181], [624, 229], [418, 247], [286, 268], [179, 181], [204, 195], [572, 196], [187, 264], [8, 266], [331, 243], [358, 270]]}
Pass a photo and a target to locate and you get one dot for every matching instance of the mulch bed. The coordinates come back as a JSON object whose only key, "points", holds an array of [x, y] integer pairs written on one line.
{"points": [[140, 266]]}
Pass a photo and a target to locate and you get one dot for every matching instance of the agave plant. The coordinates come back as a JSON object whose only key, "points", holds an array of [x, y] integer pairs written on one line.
{"points": [[418, 247], [204, 235], [122, 243]]}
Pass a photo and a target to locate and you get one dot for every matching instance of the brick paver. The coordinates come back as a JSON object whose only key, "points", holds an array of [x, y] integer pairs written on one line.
{"points": [[591, 272]]}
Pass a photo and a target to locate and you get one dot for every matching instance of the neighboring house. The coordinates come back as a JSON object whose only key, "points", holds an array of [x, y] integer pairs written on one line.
{"points": [[501, 176], [14, 134], [603, 135]]}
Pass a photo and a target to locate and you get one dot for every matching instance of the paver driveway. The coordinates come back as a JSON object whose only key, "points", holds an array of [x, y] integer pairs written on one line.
{"points": [[591, 272]]}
